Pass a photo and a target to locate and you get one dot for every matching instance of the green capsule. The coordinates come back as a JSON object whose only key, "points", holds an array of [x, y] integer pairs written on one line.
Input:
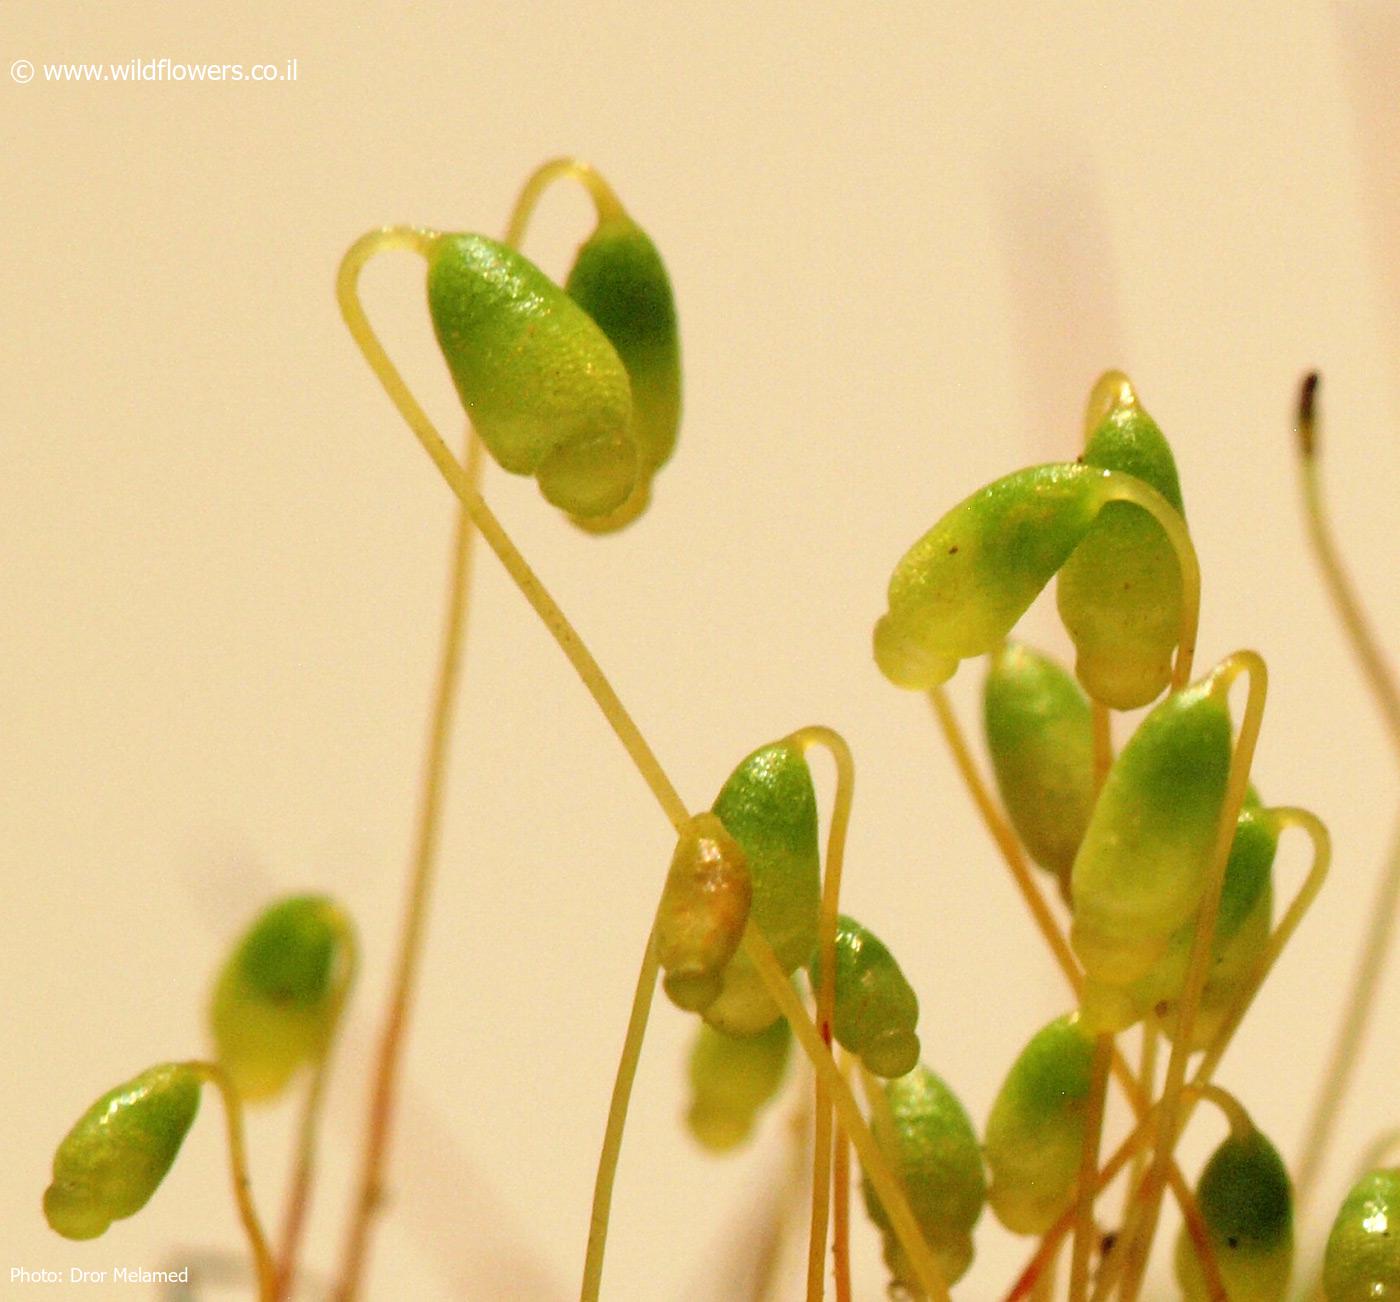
{"points": [[934, 1154], [1040, 733], [113, 1160], [1142, 868], [731, 1080], [1119, 594], [1036, 1128], [1246, 1202], [278, 997], [704, 909], [618, 278], [960, 589], [876, 1008], [1363, 1251], [769, 807], [544, 388], [1242, 930]]}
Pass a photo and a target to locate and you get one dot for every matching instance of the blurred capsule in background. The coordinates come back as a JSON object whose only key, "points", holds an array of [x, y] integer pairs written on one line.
{"points": [[278, 998], [1036, 1128], [1040, 734], [731, 1080]]}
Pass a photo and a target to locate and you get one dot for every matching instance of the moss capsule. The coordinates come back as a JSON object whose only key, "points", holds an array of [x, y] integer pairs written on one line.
{"points": [[1246, 1202], [1363, 1250], [876, 1008], [1036, 1128], [769, 807], [546, 391], [958, 591], [1242, 930], [704, 908], [113, 1160], [1040, 734], [618, 278], [934, 1154], [731, 1080], [1142, 867], [1119, 594], [278, 997]]}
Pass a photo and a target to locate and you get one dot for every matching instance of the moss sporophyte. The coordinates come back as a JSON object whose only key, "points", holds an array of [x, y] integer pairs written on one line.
{"points": [[1156, 899]]}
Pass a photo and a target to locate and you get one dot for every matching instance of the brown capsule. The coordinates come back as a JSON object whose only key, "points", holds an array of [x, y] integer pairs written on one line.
{"points": [[703, 912]]}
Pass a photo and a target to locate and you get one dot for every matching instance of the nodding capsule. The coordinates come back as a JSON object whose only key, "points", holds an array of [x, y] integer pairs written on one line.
{"points": [[1246, 1202], [618, 278], [1040, 733], [1142, 868], [545, 389], [876, 1009], [960, 589], [1362, 1263], [731, 1080], [1035, 1130], [704, 909], [278, 997], [115, 1157], [1242, 929], [928, 1140], [769, 807], [1119, 594]]}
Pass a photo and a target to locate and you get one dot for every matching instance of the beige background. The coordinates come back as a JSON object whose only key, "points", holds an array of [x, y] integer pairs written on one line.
{"points": [[904, 239]]}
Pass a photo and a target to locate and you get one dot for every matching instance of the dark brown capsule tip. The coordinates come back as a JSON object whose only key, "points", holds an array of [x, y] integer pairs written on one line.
{"points": [[1307, 414]]}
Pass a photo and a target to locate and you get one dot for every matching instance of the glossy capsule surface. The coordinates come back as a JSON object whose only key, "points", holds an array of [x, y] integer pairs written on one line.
{"points": [[876, 1009], [115, 1157], [932, 1149], [1363, 1250], [544, 387]]}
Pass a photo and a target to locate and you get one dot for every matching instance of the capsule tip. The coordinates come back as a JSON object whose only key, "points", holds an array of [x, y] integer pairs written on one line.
{"points": [[692, 990], [905, 661], [1307, 414], [1111, 392], [894, 1054]]}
